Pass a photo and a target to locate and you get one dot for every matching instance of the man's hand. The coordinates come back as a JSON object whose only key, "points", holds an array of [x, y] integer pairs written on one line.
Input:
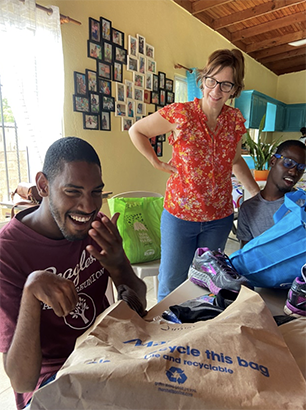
{"points": [[53, 290], [107, 236]]}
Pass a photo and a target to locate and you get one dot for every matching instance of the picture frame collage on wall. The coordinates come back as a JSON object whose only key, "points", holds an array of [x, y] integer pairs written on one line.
{"points": [[100, 92]]}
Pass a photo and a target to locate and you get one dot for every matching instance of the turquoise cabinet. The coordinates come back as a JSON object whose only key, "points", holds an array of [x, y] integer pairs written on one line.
{"points": [[295, 117], [253, 106]]}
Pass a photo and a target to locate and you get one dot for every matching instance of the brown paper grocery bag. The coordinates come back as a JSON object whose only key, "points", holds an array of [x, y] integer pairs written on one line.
{"points": [[238, 360]]}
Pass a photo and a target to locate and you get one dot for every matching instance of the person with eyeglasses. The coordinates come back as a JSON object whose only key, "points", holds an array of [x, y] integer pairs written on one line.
{"points": [[205, 135], [286, 168]]}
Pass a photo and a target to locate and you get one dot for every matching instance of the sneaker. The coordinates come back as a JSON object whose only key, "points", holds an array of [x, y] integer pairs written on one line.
{"points": [[296, 299], [214, 271]]}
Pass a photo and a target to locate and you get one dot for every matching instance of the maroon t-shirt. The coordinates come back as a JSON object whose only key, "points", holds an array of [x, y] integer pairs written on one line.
{"points": [[23, 251]]}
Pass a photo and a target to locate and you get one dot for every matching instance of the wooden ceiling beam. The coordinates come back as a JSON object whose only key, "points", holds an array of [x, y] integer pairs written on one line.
{"points": [[254, 12], [185, 4], [285, 64], [298, 51], [202, 5], [292, 69], [268, 26], [272, 51], [277, 41]]}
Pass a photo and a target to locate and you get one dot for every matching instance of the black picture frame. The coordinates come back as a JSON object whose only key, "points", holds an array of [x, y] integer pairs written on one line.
{"points": [[92, 80], [120, 54], [90, 121], [106, 29], [141, 44], [104, 86], [107, 103], [94, 103], [162, 97], [107, 52], [159, 148], [94, 30], [155, 83], [118, 37], [80, 83], [169, 84], [161, 80], [104, 70], [169, 97], [161, 138], [118, 72], [155, 97], [80, 103], [94, 50], [105, 121]]}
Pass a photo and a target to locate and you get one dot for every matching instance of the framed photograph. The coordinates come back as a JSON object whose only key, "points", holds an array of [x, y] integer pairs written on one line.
{"points": [[169, 97], [105, 122], [120, 55], [118, 72], [126, 123], [149, 50], [138, 117], [138, 93], [90, 122], [94, 30], [94, 103], [161, 138], [153, 142], [80, 84], [139, 79], [142, 64], [169, 84], [80, 104], [107, 55], [140, 108], [120, 92], [155, 97], [106, 29], [132, 63], [107, 103], [162, 97], [129, 89], [158, 107], [104, 70], [130, 108], [133, 46], [161, 80], [147, 96], [149, 81], [159, 149], [151, 65], [141, 44], [105, 86], [155, 82], [94, 50], [120, 109], [118, 37], [92, 83]]}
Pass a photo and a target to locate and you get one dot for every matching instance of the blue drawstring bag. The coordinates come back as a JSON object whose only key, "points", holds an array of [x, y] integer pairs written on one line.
{"points": [[275, 258]]}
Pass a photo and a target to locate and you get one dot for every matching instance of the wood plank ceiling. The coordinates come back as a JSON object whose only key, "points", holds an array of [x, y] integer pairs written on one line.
{"points": [[260, 28]]}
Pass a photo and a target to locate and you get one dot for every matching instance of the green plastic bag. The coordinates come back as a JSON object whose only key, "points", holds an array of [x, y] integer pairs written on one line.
{"points": [[139, 226]]}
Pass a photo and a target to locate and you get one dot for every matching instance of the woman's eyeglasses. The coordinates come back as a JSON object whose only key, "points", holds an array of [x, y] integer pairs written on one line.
{"points": [[290, 163], [225, 86]]}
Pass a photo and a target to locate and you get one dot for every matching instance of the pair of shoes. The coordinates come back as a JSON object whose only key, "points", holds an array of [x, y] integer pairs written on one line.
{"points": [[296, 299], [214, 271]]}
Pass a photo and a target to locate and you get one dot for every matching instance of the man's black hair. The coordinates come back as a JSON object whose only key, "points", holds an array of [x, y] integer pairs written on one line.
{"points": [[67, 149], [303, 130], [289, 143]]}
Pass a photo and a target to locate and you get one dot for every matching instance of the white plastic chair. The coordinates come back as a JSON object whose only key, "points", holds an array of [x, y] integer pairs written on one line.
{"points": [[147, 268]]}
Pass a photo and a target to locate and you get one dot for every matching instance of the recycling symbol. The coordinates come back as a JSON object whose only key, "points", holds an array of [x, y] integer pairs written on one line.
{"points": [[176, 375]]}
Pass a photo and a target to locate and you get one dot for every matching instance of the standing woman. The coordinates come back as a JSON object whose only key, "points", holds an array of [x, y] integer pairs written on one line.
{"points": [[206, 149]]}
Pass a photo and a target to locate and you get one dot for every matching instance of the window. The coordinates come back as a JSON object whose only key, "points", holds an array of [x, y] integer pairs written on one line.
{"points": [[13, 152], [180, 84]]}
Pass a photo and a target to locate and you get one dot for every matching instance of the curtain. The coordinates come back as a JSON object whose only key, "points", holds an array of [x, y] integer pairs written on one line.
{"points": [[193, 89], [32, 72]]}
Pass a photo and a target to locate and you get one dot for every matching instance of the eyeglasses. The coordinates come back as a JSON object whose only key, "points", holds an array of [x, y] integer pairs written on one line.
{"points": [[290, 163], [225, 86]]}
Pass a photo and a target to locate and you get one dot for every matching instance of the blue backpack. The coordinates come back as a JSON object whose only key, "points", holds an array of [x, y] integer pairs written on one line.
{"points": [[275, 258]]}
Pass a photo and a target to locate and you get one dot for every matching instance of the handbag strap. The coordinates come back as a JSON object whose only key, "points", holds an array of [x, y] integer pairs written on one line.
{"points": [[290, 205]]}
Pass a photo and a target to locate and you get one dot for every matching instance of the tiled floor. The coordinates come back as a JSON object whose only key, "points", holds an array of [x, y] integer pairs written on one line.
{"points": [[7, 401]]}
